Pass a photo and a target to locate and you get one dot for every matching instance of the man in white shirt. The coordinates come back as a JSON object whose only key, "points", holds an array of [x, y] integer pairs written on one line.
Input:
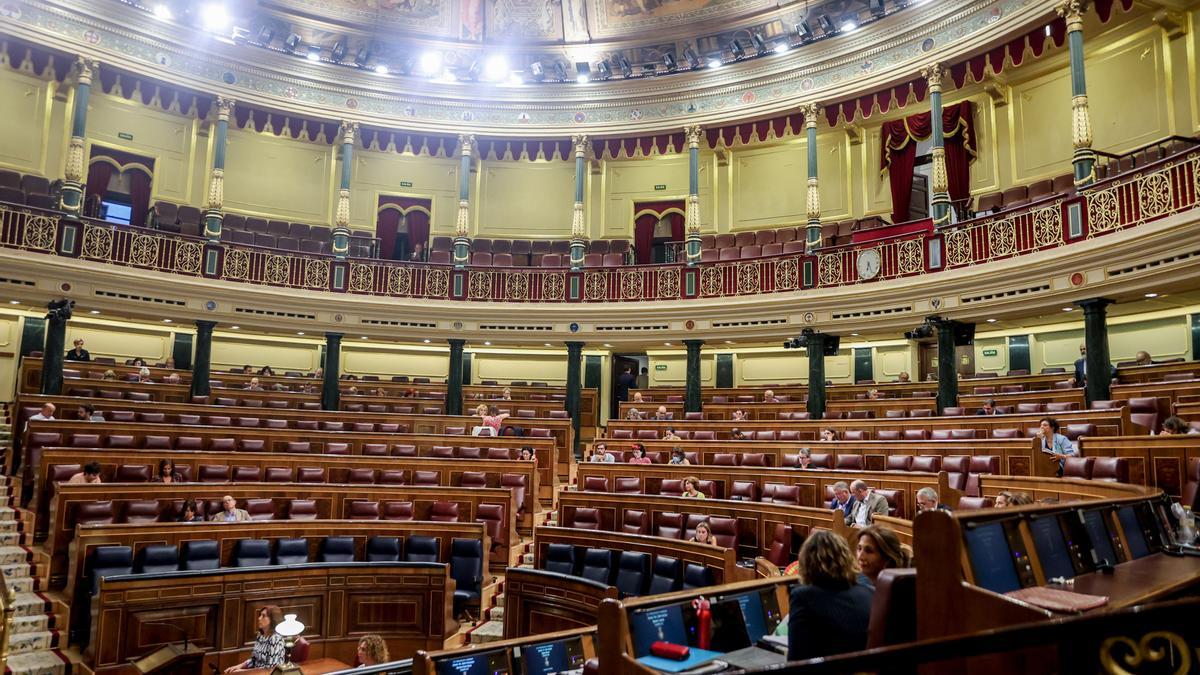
{"points": [[46, 413], [867, 505]]}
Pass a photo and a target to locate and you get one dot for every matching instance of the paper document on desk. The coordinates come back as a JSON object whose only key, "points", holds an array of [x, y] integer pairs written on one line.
{"points": [[1058, 600]]}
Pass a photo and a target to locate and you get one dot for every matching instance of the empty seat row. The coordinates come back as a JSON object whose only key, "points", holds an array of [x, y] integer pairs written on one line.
{"points": [[757, 238], [106, 512], [632, 572]]}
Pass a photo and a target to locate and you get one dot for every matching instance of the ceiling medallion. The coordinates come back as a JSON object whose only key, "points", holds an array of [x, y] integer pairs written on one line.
{"points": [[1077, 279]]}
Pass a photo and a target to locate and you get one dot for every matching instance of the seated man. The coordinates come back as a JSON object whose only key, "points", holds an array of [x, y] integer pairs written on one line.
{"points": [[903, 377], [804, 458], [90, 474], [253, 385], [230, 513], [1143, 359], [769, 397], [46, 413], [737, 435], [173, 378], [87, 413], [867, 505], [928, 500], [989, 408], [842, 499], [661, 413]]}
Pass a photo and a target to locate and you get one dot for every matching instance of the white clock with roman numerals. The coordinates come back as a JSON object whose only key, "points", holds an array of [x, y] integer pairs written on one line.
{"points": [[868, 263]]}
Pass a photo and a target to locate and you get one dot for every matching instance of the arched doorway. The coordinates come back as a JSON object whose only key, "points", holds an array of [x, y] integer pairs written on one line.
{"points": [[118, 186], [657, 226], [402, 226]]}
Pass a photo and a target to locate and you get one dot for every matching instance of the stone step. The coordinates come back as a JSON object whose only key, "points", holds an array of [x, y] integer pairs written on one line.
{"points": [[488, 631], [526, 560], [30, 624], [47, 662], [19, 643], [13, 554], [496, 613], [29, 604]]}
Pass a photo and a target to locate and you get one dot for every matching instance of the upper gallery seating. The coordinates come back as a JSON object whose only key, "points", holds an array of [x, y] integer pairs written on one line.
{"points": [[27, 189], [535, 253]]}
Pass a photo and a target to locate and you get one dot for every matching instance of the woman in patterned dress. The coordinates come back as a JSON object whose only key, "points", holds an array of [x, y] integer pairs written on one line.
{"points": [[268, 645]]}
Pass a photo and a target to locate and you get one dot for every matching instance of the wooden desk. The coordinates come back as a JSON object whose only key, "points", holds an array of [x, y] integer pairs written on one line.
{"points": [[310, 667], [1155, 577]]}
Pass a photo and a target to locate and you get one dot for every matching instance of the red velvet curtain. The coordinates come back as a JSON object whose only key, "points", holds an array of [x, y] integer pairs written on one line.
{"points": [[387, 222], [139, 196], [99, 175], [900, 152], [643, 226]]}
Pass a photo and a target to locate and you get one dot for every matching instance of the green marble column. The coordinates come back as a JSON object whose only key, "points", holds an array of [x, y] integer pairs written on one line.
{"points": [[54, 349], [202, 361], [75, 176], [1084, 159], [812, 240], [215, 200], [1095, 338], [578, 234], [694, 135], [454, 377], [330, 395], [816, 375], [940, 183], [692, 401], [947, 366], [341, 224], [462, 224], [574, 388]]}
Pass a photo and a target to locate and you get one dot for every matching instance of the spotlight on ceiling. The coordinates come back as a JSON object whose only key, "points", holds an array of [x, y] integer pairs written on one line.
{"points": [[496, 68], [826, 24], [669, 62], [605, 70], [163, 11], [475, 70], [265, 35], [626, 69], [739, 52], [876, 7], [381, 69], [291, 42], [715, 60], [849, 23], [693, 59], [804, 31], [760, 45], [314, 53], [339, 51], [781, 47], [215, 17], [560, 71], [583, 72], [431, 63], [537, 70], [361, 57]]}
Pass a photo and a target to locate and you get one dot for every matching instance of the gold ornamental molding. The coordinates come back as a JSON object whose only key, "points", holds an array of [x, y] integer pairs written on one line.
{"points": [[591, 103]]}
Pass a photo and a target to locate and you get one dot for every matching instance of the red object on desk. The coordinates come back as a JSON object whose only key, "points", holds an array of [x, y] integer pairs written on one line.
{"points": [[892, 231], [669, 650]]}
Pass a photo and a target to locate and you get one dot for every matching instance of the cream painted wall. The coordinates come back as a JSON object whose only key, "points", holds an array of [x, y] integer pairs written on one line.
{"points": [[234, 350], [379, 173], [525, 200], [25, 104], [169, 139], [993, 364], [675, 374], [122, 340], [768, 184], [278, 177], [521, 367], [628, 181], [388, 360], [891, 360], [10, 339]]}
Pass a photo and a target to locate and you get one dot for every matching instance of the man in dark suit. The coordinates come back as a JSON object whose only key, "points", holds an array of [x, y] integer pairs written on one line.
{"points": [[1080, 378], [626, 381]]}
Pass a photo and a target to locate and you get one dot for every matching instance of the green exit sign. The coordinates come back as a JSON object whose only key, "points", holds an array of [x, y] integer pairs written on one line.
{"points": [[405, 183], [124, 136], [660, 187], [660, 366], [990, 352]]}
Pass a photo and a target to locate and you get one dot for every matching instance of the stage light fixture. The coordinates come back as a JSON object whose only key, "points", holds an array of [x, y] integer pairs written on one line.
{"points": [[583, 72], [715, 61], [314, 53], [291, 42], [849, 24], [361, 57], [876, 7], [692, 57], [381, 69], [265, 35], [605, 70], [804, 31], [163, 11], [781, 47], [496, 68], [537, 70], [215, 17], [739, 52], [560, 71], [475, 70], [669, 62], [826, 24], [626, 69], [760, 45], [431, 63], [339, 51]]}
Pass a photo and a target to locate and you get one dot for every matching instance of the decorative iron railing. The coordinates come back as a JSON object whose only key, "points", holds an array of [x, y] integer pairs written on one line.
{"points": [[1155, 191]]}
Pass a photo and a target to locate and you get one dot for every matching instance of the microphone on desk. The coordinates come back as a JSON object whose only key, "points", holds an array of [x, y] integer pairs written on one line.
{"points": [[181, 630]]}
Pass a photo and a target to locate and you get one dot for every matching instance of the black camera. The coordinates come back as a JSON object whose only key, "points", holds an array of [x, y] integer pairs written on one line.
{"points": [[60, 309], [832, 342]]}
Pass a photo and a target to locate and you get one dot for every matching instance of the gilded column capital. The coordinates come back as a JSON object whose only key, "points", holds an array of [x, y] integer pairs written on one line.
{"points": [[466, 143], [348, 130], [85, 68], [225, 108], [811, 112], [933, 74], [694, 134], [580, 141], [1072, 11]]}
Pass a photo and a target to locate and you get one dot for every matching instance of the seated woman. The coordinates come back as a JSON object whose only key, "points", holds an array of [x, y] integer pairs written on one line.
{"points": [[266, 371], [877, 548], [828, 434], [1056, 445], [678, 457], [639, 454], [166, 472], [670, 435], [189, 512], [526, 454], [704, 534], [372, 651], [268, 645], [691, 489], [633, 414], [637, 397], [830, 608], [492, 417], [1008, 498]]}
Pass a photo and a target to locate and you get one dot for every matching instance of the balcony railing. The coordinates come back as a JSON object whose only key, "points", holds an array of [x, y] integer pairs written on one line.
{"points": [[1154, 191]]}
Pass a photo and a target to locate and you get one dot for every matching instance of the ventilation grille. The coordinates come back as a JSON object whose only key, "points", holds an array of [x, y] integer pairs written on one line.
{"points": [[1016, 292], [141, 298], [747, 324], [519, 329], [16, 282], [268, 312], [401, 324], [873, 312], [631, 329], [1152, 264]]}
